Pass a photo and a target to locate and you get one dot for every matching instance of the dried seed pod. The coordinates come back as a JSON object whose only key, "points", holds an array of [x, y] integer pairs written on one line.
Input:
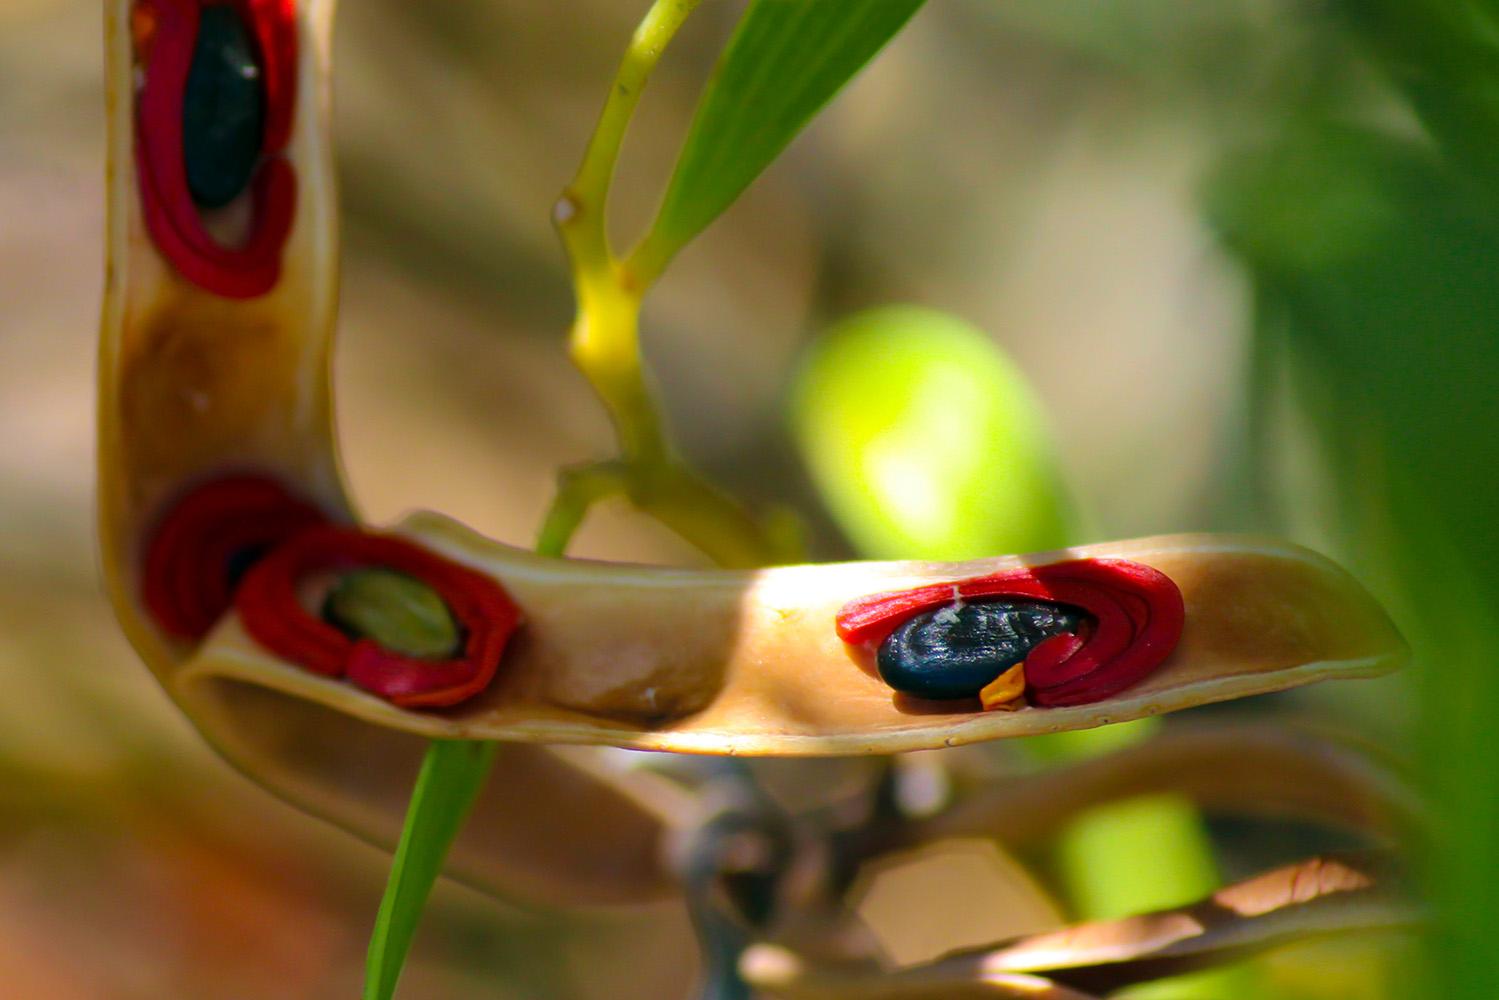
{"points": [[197, 386], [226, 372], [1319, 896], [750, 662]]}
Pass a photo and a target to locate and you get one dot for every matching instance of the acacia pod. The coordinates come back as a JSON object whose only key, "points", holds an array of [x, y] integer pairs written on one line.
{"points": [[748, 663], [196, 387]]}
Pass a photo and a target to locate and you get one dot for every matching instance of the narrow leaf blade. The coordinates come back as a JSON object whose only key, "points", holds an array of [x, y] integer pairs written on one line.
{"points": [[452, 774], [786, 60]]}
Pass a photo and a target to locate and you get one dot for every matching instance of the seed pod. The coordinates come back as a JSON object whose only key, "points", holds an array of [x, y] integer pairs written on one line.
{"points": [[740, 663], [173, 341]]}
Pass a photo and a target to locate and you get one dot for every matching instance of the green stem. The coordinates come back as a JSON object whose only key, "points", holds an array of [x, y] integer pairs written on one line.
{"points": [[578, 489], [605, 345], [696, 510], [713, 521], [649, 258], [581, 212], [605, 338]]}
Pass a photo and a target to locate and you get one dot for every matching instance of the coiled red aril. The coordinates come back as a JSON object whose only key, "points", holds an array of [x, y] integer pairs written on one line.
{"points": [[205, 542], [1130, 620], [213, 116], [270, 605]]}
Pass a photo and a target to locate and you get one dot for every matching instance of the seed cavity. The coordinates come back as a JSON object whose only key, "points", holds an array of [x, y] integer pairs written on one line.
{"points": [[240, 561], [398, 611], [958, 650], [223, 108]]}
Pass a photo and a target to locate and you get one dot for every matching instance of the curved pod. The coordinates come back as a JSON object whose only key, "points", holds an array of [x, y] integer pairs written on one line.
{"points": [[196, 387], [749, 662]]}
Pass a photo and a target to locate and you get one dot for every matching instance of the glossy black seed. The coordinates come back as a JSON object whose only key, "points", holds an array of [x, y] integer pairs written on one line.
{"points": [[954, 651], [223, 108], [240, 561]]}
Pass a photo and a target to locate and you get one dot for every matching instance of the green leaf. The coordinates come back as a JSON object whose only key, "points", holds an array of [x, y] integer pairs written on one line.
{"points": [[452, 774], [926, 441], [786, 60], [1445, 56]]}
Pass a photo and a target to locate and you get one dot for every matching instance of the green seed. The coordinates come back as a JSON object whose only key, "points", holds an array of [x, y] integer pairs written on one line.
{"points": [[223, 108], [397, 611]]}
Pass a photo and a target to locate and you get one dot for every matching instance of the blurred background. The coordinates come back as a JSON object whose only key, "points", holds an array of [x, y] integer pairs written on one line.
{"points": [[1242, 250]]}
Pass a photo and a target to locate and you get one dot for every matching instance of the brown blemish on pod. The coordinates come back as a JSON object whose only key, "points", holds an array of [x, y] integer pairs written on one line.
{"points": [[198, 381]]}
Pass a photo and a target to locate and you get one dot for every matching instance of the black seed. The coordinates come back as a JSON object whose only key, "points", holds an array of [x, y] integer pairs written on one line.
{"points": [[954, 651], [240, 561], [223, 108]]}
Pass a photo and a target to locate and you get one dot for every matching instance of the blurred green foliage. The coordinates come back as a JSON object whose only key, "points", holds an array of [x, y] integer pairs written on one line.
{"points": [[926, 441], [1374, 271], [1145, 828], [1444, 54]]}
